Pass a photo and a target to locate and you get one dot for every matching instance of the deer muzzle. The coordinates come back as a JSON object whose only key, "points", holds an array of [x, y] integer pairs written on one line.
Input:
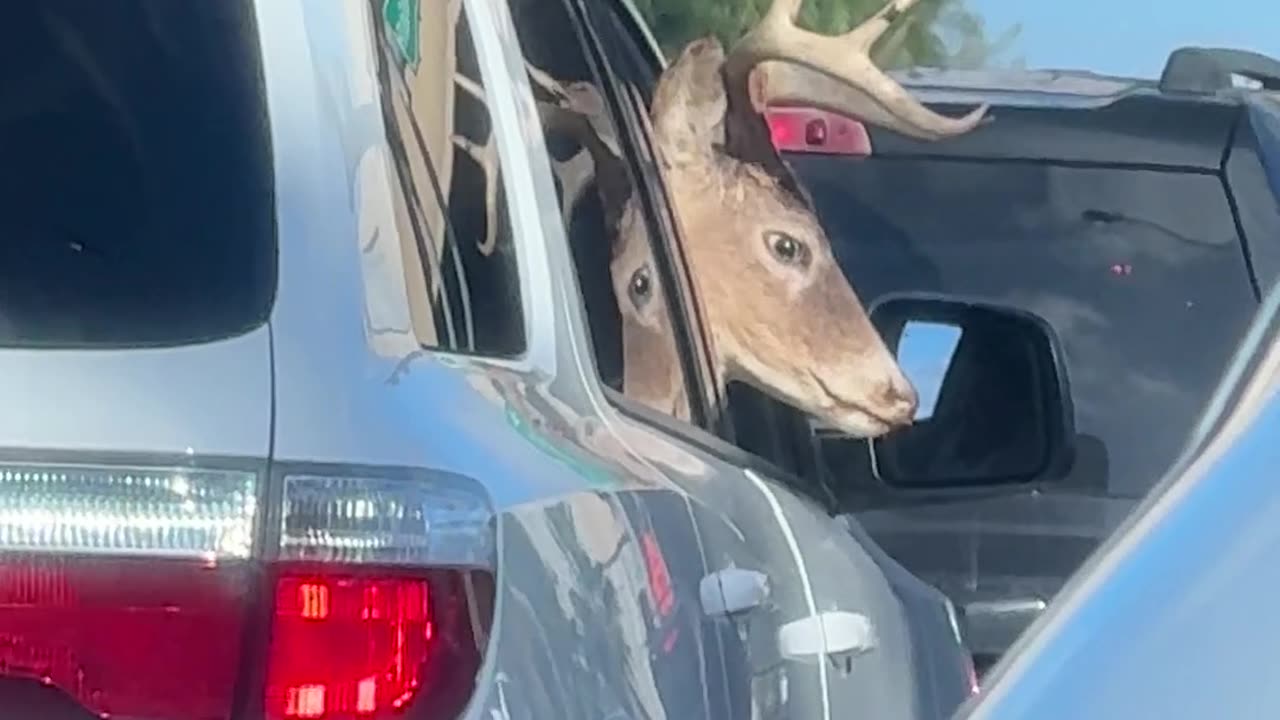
{"points": [[871, 403]]}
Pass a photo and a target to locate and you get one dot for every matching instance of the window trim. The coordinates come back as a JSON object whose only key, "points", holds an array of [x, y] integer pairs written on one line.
{"points": [[638, 27], [489, 21], [389, 77], [724, 450]]}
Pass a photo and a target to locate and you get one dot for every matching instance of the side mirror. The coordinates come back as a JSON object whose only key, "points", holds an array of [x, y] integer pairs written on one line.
{"points": [[994, 403]]}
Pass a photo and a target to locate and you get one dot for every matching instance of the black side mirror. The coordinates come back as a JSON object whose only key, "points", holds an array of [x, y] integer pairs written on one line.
{"points": [[994, 406]]}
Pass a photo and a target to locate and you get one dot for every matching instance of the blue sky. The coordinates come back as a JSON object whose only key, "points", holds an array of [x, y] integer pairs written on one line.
{"points": [[1129, 37], [924, 353]]}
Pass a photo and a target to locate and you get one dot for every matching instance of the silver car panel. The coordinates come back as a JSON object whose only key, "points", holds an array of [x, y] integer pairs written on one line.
{"points": [[608, 525], [211, 399]]}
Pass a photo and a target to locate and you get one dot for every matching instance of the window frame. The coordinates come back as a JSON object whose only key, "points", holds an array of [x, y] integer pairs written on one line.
{"points": [[392, 77], [659, 219]]}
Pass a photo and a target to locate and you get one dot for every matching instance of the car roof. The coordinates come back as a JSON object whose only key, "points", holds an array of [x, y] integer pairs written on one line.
{"points": [[1051, 88], [1199, 74]]}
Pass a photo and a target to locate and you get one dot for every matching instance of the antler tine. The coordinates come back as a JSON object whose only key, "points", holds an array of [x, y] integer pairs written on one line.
{"points": [[578, 111], [779, 61]]}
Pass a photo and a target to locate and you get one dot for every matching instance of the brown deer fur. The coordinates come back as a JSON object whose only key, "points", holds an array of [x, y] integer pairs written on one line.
{"points": [[780, 312]]}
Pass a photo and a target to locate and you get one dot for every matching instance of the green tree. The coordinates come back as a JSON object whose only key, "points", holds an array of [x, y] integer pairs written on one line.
{"points": [[936, 33]]}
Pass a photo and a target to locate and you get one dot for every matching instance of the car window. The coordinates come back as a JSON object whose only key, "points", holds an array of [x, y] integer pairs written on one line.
{"points": [[452, 231], [594, 226], [1140, 273], [770, 433], [136, 188]]}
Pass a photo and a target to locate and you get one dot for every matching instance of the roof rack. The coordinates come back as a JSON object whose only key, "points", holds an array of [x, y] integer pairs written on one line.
{"points": [[1210, 70]]}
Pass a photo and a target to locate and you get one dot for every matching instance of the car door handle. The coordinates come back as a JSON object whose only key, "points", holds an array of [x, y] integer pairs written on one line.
{"points": [[834, 634], [998, 621], [733, 591], [1026, 607]]}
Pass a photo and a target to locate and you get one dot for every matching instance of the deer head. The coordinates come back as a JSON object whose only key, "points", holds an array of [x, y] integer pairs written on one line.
{"points": [[781, 314]]}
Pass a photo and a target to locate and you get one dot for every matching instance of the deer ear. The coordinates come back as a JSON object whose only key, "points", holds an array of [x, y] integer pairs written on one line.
{"points": [[747, 136], [689, 104]]}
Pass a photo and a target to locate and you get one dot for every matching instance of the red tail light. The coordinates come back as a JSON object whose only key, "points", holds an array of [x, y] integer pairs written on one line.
{"points": [[133, 592], [817, 131], [368, 645], [138, 637]]}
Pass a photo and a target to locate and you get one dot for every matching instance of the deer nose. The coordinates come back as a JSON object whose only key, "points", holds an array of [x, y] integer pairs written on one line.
{"points": [[899, 400]]}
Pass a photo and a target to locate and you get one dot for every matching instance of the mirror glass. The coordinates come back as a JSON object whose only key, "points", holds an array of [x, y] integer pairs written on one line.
{"points": [[993, 405], [925, 350], [985, 378]]}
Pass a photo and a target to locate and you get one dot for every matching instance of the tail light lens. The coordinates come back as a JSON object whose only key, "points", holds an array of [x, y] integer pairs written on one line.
{"points": [[147, 638], [383, 598], [141, 592], [795, 129]]}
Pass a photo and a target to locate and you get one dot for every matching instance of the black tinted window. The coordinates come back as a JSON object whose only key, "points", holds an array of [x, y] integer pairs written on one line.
{"points": [[135, 174], [594, 227], [451, 217], [1140, 273]]}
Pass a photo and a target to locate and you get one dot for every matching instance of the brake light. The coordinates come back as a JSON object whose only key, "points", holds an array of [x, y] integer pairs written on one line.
{"points": [[133, 592], [795, 129], [143, 638], [368, 644]]}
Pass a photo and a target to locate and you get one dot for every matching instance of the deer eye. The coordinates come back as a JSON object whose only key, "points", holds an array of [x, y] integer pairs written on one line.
{"points": [[787, 250], [640, 287]]}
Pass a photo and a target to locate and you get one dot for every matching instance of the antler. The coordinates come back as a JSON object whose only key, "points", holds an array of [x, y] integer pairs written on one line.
{"points": [[777, 61], [577, 110], [486, 156]]}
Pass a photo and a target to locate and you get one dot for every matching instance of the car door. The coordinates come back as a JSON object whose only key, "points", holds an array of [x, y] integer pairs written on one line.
{"points": [[676, 659], [733, 615], [849, 627], [832, 633]]}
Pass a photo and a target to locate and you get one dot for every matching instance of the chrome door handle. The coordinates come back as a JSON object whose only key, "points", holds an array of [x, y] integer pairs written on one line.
{"points": [[733, 591]]}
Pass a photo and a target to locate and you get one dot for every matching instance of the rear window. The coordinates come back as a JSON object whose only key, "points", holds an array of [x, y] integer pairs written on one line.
{"points": [[135, 174], [1140, 272]]}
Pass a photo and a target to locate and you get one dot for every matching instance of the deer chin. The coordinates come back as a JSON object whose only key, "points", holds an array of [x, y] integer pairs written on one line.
{"points": [[858, 424], [851, 417]]}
